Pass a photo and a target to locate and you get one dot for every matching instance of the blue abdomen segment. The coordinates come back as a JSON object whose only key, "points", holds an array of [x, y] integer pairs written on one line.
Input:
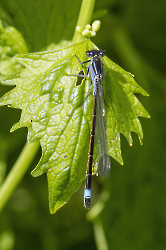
{"points": [[87, 197]]}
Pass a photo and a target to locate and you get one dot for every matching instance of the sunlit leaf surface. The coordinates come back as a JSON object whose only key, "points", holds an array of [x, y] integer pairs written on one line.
{"points": [[57, 113]]}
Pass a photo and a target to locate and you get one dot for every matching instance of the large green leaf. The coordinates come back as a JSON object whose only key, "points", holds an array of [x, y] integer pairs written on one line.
{"points": [[54, 110], [11, 43], [41, 22], [123, 108]]}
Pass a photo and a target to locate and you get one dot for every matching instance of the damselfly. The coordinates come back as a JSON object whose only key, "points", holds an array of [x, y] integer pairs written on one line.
{"points": [[95, 70]]}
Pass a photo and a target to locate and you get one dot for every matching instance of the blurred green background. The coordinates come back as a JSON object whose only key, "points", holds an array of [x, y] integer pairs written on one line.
{"points": [[133, 33]]}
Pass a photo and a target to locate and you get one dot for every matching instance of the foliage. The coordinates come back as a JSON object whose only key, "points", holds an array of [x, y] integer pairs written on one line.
{"points": [[128, 184], [55, 112]]}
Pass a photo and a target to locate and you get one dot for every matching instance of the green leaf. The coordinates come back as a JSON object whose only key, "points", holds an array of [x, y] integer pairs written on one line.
{"points": [[123, 108], [11, 43], [41, 22], [54, 110]]}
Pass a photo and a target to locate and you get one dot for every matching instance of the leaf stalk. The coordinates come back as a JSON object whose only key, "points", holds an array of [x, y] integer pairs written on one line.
{"points": [[84, 18], [16, 174]]}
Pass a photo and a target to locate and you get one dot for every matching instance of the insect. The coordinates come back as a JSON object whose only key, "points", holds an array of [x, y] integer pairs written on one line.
{"points": [[97, 139]]}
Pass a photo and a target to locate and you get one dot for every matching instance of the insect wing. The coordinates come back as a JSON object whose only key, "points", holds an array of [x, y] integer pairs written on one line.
{"points": [[104, 164]]}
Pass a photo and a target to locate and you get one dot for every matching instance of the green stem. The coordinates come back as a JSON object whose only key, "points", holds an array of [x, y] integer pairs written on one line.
{"points": [[93, 216], [17, 172], [99, 235], [84, 18]]}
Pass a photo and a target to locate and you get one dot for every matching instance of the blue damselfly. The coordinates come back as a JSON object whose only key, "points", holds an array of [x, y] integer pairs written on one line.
{"points": [[99, 137]]}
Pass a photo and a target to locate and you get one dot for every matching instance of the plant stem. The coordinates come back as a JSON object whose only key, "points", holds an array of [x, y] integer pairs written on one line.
{"points": [[84, 18], [17, 172], [99, 235]]}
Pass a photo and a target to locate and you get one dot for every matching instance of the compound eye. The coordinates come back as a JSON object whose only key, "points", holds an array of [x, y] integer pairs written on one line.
{"points": [[101, 53], [89, 53]]}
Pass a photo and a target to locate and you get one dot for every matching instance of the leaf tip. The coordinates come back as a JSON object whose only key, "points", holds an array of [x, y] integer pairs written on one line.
{"points": [[141, 140], [54, 208], [37, 172]]}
